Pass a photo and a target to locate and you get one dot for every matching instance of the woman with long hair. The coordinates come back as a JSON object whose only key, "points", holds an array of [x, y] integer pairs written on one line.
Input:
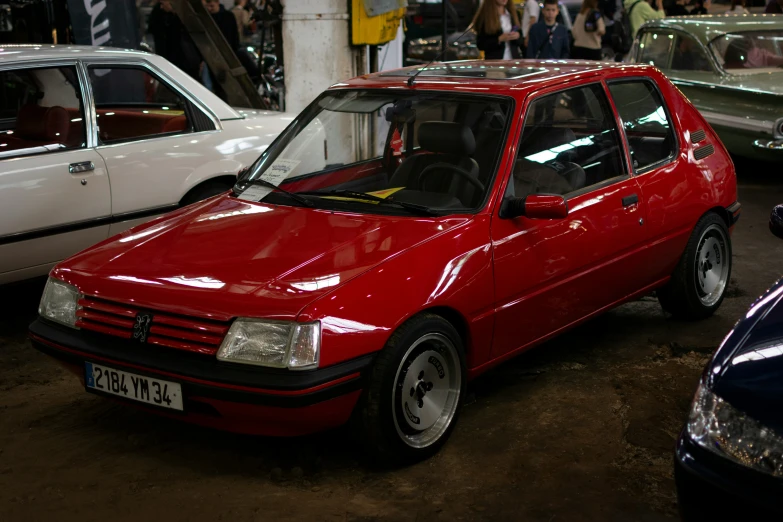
{"points": [[497, 30], [587, 30]]}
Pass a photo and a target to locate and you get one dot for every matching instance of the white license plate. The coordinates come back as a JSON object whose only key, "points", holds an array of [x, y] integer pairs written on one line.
{"points": [[165, 394]]}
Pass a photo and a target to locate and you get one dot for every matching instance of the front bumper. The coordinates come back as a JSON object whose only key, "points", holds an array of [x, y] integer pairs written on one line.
{"points": [[710, 487], [231, 397], [769, 144]]}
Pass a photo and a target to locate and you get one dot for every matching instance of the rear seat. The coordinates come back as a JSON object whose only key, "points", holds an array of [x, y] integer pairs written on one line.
{"points": [[120, 124], [37, 126]]}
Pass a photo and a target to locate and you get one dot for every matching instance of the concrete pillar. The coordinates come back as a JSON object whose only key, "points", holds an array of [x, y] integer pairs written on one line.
{"points": [[317, 50]]}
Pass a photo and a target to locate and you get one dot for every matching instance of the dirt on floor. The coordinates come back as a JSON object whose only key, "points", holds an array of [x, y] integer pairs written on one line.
{"points": [[581, 428]]}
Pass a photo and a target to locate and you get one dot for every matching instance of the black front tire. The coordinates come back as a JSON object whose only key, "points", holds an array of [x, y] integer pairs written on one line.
{"points": [[682, 296], [378, 423]]}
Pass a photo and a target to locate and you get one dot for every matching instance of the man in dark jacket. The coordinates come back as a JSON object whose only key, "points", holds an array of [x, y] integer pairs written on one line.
{"points": [[548, 40], [172, 41], [225, 21]]}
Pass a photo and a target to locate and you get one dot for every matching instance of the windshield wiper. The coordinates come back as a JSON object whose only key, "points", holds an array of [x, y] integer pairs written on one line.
{"points": [[292, 195], [371, 197]]}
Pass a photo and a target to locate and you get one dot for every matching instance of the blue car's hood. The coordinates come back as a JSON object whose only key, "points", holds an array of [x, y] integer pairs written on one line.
{"points": [[747, 370]]}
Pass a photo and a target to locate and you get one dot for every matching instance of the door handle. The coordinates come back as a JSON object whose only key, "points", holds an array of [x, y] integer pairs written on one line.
{"points": [[84, 166], [630, 200]]}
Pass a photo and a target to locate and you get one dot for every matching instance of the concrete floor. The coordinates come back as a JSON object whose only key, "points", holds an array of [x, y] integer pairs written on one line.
{"points": [[581, 428]]}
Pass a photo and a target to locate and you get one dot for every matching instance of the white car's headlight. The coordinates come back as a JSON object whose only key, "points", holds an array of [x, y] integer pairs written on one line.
{"points": [[278, 344], [717, 426], [59, 302]]}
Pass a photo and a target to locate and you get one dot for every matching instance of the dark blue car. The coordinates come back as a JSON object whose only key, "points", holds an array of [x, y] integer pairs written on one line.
{"points": [[729, 457]]}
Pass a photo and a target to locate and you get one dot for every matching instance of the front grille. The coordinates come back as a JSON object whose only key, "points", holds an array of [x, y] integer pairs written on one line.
{"points": [[173, 331]]}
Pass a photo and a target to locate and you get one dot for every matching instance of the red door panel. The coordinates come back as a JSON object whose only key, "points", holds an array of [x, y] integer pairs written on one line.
{"points": [[551, 273]]}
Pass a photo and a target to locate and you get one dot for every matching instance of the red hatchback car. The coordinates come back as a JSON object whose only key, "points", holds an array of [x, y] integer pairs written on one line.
{"points": [[401, 237]]}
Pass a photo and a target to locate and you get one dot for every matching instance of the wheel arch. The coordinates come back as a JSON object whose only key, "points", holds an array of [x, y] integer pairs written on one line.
{"points": [[720, 211], [227, 179], [457, 320]]}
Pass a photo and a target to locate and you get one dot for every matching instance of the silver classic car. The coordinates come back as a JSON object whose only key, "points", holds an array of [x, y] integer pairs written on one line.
{"points": [[731, 68]]}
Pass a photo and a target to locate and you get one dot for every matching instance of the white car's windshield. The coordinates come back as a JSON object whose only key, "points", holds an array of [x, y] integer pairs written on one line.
{"points": [[378, 151], [749, 52]]}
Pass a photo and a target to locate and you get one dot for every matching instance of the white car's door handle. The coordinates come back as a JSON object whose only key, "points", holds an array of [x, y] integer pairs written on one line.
{"points": [[84, 166]]}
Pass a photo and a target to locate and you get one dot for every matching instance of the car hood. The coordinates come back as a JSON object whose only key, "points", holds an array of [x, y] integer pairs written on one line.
{"points": [[226, 257], [747, 370]]}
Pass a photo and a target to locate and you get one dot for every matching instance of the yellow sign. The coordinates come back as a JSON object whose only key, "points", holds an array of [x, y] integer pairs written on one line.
{"points": [[378, 193], [373, 30]]}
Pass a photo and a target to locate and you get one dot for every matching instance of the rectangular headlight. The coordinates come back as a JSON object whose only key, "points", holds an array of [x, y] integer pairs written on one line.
{"points": [[275, 344], [717, 426], [59, 302]]}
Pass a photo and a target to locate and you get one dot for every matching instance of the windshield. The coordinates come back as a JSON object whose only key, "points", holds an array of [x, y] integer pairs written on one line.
{"points": [[749, 52], [407, 150]]}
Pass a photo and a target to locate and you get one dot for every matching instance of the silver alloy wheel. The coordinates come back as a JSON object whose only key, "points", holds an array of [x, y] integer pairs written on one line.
{"points": [[426, 390], [712, 265]]}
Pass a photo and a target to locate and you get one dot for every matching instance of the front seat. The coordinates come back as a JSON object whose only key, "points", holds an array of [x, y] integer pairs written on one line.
{"points": [[558, 175], [37, 126], [447, 142]]}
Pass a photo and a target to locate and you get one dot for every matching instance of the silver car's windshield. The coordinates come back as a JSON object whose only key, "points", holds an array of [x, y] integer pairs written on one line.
{"points": [[749, 52], [429, 149]]}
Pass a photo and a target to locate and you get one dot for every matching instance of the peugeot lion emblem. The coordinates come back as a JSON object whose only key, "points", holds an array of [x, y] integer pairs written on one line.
{"points": [[142, 327]]}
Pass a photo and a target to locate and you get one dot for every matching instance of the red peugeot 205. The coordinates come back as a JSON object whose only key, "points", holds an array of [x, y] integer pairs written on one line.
{"points": [[402, 236]]}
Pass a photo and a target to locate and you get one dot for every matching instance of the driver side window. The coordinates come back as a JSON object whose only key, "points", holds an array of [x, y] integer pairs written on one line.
{"points": [[569, 143]]}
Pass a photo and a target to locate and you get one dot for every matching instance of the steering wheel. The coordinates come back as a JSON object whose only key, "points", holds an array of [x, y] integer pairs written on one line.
{"points": [[464, 174]]}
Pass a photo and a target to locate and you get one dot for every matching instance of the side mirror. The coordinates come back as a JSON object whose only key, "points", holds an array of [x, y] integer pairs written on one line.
{"points": [[776, 221], [536, 206]]}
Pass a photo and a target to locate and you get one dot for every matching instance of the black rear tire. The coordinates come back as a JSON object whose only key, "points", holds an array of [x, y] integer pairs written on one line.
{"points": [[383, 423], [708, 251]]}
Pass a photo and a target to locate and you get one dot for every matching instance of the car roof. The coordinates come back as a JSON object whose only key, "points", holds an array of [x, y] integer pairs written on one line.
{"points": [[490, 76], [12, 53], [708, 27]]}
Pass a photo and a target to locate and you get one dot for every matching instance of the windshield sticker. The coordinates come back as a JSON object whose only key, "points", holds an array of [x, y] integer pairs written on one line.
{"points": [[280, 170], [254, 193], [275, 174]]}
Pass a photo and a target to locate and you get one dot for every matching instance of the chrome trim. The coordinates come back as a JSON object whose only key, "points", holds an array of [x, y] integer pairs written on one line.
{"points": [[84, 166], [746, 91], [90, 118], [769, 144], [152, 137], [171, 82], [739, 122], [54, 147]]}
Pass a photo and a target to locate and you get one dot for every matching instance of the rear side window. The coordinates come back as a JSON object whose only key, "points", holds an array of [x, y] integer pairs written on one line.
{"points": [[645, 121], [569, 142], [133, 104], [688, 55], [41, 111], [655, 48]]}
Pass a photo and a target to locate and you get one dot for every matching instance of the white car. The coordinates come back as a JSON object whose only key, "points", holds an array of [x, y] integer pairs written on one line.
{"points": [[96, 140]]}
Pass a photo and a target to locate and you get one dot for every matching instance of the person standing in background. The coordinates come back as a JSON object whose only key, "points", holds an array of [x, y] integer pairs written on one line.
{"points": [[701, 7], [548, 40], [243, 18], [529, 17], [171, 39], [640, 11], [677, 9], [737, 7], [587, 31], [774, 7], [497, 30]]}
